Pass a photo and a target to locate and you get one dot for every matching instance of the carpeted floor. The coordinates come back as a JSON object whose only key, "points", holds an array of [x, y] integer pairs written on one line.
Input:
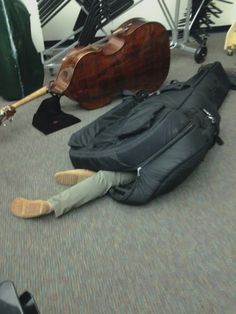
{"points": [[174, 255]]}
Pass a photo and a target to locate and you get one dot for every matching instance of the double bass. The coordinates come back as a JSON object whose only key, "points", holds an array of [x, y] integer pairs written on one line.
{"points": [[135, 56]]}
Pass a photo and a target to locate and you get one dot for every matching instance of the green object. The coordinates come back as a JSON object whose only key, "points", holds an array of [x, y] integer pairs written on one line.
{"points": [[21, 68]]}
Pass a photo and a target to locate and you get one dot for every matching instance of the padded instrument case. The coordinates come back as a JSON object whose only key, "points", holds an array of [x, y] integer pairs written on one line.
{"points": [[21, 69], [162, 137]]}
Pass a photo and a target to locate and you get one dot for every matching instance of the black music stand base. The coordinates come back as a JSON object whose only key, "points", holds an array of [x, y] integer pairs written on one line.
{"points": [[50, 118]]}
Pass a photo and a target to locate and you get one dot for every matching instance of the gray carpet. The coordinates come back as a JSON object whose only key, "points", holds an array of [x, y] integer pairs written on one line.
{"points": [[174, 255]]}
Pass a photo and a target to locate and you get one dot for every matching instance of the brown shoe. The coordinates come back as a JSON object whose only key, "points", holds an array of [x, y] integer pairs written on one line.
{"points": [[24, 208], [71, 177]]}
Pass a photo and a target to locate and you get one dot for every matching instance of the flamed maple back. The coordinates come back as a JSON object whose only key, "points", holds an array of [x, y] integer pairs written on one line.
{"points": [[136, 56]]}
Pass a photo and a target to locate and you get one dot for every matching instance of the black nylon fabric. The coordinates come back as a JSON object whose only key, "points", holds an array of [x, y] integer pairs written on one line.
{"points": [[163, 137], [21, 68]]}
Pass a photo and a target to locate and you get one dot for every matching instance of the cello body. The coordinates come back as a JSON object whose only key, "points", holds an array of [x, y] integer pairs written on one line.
{"points": [[136, 56]]}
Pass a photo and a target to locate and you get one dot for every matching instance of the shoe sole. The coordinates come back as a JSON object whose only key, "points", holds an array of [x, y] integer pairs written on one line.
{"points": [[72, 177], [24, 208]]}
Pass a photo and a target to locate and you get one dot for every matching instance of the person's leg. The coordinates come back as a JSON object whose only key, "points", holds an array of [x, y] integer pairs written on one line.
{"points": [[94, 186], [26, 208], [89, 189]]}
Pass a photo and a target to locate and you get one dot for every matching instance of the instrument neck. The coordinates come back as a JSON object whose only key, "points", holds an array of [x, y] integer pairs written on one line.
{"points": [[38, 93]]}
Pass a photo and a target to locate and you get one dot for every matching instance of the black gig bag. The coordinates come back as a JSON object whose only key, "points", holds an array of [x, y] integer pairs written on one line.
{"points": [[162, 137]]}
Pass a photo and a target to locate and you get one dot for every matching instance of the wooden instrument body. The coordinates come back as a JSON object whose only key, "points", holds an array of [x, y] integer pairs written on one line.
{"points": [[136, 56]]}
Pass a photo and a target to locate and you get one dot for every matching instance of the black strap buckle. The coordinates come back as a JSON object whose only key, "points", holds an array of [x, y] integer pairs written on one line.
{"points": [[219, 140], [141, 95]]}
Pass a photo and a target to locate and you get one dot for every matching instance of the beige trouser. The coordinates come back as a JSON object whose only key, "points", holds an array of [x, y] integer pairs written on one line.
{"points": [[87, 190]]}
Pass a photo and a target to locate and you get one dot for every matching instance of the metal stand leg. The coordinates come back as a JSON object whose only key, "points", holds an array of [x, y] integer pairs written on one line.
{"points": [[173, 23]]}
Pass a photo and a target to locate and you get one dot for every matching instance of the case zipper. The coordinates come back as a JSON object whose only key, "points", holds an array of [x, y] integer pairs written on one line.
{"points": [[218, 140], [184, 131], [209, 115]]}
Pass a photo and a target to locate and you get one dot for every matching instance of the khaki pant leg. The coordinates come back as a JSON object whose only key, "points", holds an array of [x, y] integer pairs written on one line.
{"points": [[89, 189]]}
